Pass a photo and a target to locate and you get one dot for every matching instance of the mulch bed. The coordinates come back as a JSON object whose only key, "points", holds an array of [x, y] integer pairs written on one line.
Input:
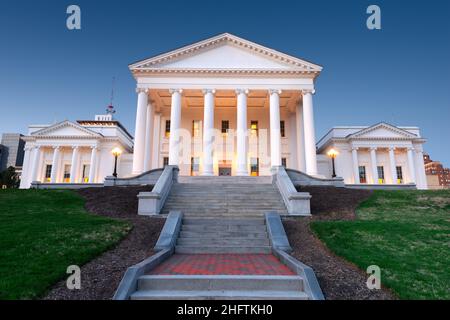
{"points": [[338, 278], [101, 276]]}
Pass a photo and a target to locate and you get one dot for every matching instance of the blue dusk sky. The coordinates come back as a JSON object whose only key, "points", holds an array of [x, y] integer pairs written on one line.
{"points": [[399, 74]]}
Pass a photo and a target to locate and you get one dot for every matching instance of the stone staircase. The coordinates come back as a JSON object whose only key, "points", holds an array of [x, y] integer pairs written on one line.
{"points": [[224, 197], [236, 287], [212, 235], [222, 216]]}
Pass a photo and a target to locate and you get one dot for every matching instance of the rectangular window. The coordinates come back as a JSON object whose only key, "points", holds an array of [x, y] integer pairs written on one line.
{"points": [[283, 162], [67, 173], [225, 126], [254, 128], [196, 125], [362, 174], [282, 129], [399, 174], [48, 172], [195, 166], [165, 161], [167, 129], [380, 170], [254, 167], [85, 175]]}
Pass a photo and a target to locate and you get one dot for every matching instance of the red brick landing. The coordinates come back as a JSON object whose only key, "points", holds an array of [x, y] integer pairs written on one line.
{"points": [[222, 264]]}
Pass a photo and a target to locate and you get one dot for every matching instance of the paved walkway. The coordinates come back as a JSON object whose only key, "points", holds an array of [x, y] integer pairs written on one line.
{"points": [[222, 264]]}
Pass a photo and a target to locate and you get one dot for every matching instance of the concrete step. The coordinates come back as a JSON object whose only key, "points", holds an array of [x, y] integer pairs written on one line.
{"points": [[220, 282], [222, 209], [200, 241], [223, 228], [222, 234], [227, 221], [221, 180], [219, 295], [242, 198], [222, 249]]}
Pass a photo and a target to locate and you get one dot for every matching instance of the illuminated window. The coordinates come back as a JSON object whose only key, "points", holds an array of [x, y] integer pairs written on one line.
{"points": [[85, 173], [254, 128], [283, 162], [362, 174], [67, 173], [48, 172], [282, 130], [380, 170], [399, 174], [225, 126], [254, 167], [195, 166], [196, 125], [167, 130]]}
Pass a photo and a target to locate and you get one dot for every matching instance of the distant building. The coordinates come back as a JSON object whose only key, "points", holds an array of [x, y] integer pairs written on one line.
{"points": [[76, 152], [437, 176], [12, 151]]}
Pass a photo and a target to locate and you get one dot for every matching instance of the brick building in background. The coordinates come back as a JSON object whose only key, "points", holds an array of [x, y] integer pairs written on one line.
{"points": [[438, 177]]}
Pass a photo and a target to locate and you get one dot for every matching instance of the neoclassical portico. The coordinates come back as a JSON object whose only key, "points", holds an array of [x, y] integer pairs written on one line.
{"points": [[381, 154], [225, 102], [69, 153], [143, 148]]}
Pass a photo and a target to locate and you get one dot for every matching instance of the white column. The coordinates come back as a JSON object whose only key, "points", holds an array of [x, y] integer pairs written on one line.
{"points": [[35, 163], [421, 178], [139, 133], [156, 139], [355, 165], [242, 169], [300, 138], [392, 165], [412, 169], [148, 138], [373, 162], [55, 161], [208, 132], [175, 120], [24, 180], [93, 165], [275, 135], [310, 136], [74, 165]]}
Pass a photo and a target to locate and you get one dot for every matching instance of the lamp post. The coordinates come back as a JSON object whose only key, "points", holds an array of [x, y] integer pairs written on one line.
{"points": [[332, 154], [116, 153]]}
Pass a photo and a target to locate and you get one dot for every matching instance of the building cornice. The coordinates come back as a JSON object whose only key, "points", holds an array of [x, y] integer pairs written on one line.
{"points": [[155, 65], [196, 71]]}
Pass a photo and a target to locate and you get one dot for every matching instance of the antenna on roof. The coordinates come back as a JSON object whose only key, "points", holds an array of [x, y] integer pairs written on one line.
{"points": [[110, 109]]}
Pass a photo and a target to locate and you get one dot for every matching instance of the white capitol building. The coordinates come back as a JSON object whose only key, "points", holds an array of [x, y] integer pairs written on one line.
{"points": [[222, 106]]}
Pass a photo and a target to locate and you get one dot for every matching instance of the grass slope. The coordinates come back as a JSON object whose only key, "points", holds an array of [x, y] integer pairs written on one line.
{"points": [[405, 233], [42, 232]]}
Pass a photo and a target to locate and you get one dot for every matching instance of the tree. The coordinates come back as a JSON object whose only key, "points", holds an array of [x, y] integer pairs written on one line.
{"points": [[9, 178]]}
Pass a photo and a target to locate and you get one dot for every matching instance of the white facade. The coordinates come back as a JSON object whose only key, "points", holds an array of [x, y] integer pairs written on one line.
{"points": [[75, 152], [379, 154], [223, 106]]}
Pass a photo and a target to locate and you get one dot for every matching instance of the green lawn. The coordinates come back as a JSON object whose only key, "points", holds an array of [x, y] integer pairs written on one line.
{"points": [[405, 233], [42, 232]]}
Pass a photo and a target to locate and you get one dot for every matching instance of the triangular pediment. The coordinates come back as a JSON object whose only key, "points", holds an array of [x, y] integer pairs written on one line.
{"points": [[226, 52], [382, 130], [66, 129]]}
